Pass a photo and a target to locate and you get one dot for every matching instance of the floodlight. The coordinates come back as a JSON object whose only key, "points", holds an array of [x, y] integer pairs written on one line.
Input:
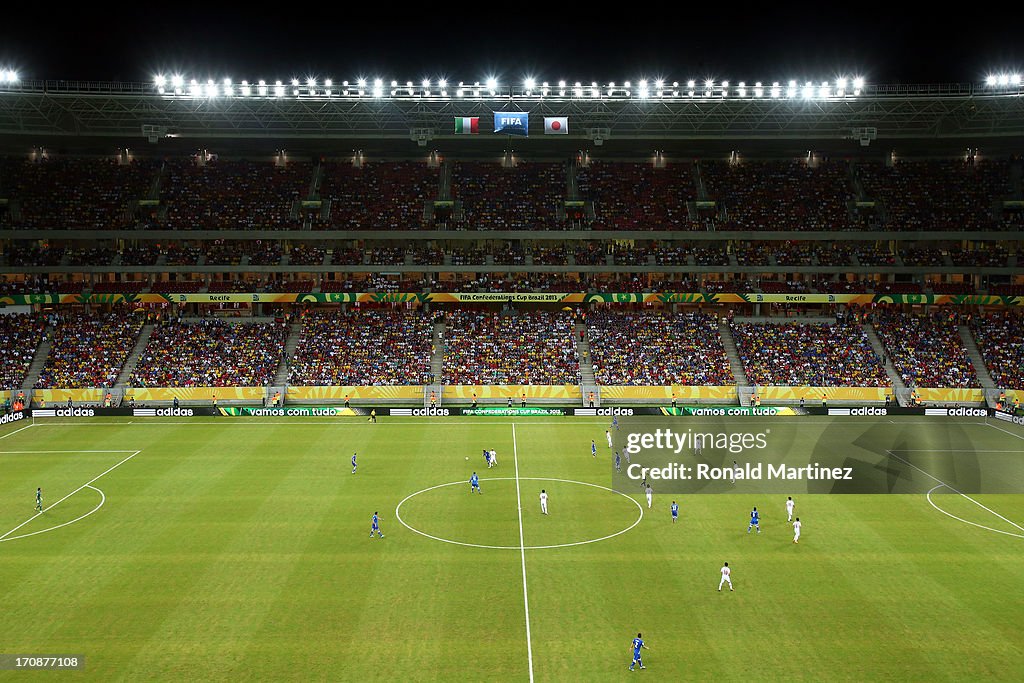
{"points": [[246, 90], [990, 80], [529, 83], [660, 83], [177, 80], [442, 83], [426, 84], [841, 83], [858, 83], [1004, 79], [808, 90], [492, 83], [12, 76], [278, 89], [362, 82], [1014, 79], [157, 80]]}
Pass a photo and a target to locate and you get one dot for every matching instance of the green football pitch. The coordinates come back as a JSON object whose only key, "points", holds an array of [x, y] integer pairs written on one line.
{"points": [[239, 549]]}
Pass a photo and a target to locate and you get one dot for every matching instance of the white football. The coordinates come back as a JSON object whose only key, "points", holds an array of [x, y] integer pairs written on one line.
{"points": [[467, 457]]}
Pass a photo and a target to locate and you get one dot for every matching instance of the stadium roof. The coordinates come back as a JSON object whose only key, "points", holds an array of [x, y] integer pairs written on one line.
{"points": [[307, 114]]}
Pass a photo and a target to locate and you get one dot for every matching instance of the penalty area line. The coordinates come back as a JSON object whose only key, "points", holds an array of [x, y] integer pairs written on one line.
{"points": [[103, 499], [961, 519], [86, 484], [942, 483]]}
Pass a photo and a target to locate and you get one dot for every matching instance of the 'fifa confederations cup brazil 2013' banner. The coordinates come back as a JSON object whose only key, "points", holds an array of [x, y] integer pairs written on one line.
{"points": [[512, 122]]}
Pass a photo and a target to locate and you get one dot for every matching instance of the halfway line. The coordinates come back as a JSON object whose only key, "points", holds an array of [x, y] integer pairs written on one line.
{"points": [[522, 551]]}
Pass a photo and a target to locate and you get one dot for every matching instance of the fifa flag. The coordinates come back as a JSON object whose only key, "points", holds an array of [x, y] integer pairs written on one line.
{"points": [[556, 125], [512, 122], [467, 125]]}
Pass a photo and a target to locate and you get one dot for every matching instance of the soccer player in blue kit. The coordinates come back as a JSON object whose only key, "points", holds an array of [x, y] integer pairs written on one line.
{"points": [[754, 521], [615, 422], [638, 644], [353, 463], [474, 483], [593, 448], [618, 462], [375, 526], [675, 511]]}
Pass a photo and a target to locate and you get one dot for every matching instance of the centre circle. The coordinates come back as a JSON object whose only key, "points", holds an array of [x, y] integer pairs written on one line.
{"points": [[484, 482]]}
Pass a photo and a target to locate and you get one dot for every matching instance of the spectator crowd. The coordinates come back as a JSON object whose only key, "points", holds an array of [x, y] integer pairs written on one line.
{"points": [[519, 347], [380, 347], [657, 348], [808, 354], [210, 353]]}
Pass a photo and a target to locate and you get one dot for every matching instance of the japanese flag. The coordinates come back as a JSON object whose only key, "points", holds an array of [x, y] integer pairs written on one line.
{"points": [[556, 125]]}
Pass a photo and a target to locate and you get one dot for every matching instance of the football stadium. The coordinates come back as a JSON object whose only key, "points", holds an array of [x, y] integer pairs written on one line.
{"points": [[357, 377]]}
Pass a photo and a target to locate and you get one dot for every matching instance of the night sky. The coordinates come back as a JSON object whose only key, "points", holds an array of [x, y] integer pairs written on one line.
{"points": [[251, 44]]}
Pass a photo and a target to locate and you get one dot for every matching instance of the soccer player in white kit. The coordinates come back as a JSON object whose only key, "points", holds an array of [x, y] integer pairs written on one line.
{"points": [[609, 435], [543, 501], [698, 445], [494, 459], [650, 496], [796, 530], [732, 472], [789, 509], [726, 577]]}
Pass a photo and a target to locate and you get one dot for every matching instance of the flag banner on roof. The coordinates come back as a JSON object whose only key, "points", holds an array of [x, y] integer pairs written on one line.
{"points": [[556, 125], [512, 122], [467, 125]]}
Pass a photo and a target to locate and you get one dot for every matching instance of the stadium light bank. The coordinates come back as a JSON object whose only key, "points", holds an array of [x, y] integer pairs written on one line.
{"points": [[530, 88]]}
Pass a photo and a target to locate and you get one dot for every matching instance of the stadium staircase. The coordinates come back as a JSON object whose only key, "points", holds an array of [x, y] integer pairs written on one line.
{"points": [[437, 356], [586, 362], [290, 344], [733, 354], [38, 361], [975, 355], [136, 354], [890, 369]]}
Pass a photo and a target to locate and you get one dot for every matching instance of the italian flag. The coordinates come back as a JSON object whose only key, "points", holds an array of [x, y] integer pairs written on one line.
{"points": [[467, 125]]}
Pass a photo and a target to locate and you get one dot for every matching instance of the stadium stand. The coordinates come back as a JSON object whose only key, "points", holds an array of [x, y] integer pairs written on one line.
{"points": [[775, 195], [77, 192], [535, 347], [999, 336], [496, 198], [210, 353], [377, 195], [637, 196], [233, 194], [808, 354], [88, 351], [937, 194], [656, 348], [926, 350], [21, 333], [380, 347]]}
